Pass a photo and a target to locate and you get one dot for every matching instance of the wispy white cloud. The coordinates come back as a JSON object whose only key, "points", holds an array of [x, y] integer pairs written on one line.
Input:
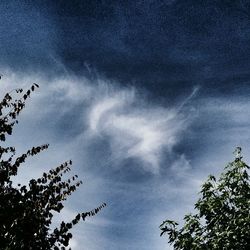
{"points": [[135, 129]]}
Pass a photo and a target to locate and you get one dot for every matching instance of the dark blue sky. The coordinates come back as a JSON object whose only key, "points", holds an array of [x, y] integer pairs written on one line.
{"points": [[163, 46], [147, 97]]}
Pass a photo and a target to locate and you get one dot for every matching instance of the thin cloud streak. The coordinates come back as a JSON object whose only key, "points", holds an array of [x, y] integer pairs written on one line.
{"points": [[189, 98]]}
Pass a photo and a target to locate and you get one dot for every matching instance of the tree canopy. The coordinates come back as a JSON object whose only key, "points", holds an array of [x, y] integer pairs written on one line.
{"points": [[26, 212], [222, 220]]}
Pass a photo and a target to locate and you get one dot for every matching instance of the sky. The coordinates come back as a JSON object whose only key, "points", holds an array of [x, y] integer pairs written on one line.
{"points": [[146, 97]]}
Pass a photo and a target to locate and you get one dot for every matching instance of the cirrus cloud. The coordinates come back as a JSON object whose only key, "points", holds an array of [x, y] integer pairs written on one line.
{"points": [[134, 129]]}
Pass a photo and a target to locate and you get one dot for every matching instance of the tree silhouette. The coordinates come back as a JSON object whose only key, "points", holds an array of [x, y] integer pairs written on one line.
{"points": [[26, 212], [223, 217]]}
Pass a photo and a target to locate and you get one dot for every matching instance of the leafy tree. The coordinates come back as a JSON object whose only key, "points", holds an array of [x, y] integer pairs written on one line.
{"points": [[26, 212], [223, 217]]}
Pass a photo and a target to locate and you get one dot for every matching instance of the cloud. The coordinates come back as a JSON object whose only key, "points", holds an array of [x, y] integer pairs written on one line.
{"points": [[181, 166], [135, 129]]}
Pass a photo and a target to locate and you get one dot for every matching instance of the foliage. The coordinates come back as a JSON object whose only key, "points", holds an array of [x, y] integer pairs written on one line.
{"points": [[26, 212], [223, 217]]}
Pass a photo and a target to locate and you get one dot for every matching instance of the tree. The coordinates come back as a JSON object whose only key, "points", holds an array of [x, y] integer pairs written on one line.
{"points": [[26, 212], [223, 217]]}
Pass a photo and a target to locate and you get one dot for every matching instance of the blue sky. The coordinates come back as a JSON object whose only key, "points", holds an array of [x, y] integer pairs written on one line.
{"points": [[146, 97]]}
